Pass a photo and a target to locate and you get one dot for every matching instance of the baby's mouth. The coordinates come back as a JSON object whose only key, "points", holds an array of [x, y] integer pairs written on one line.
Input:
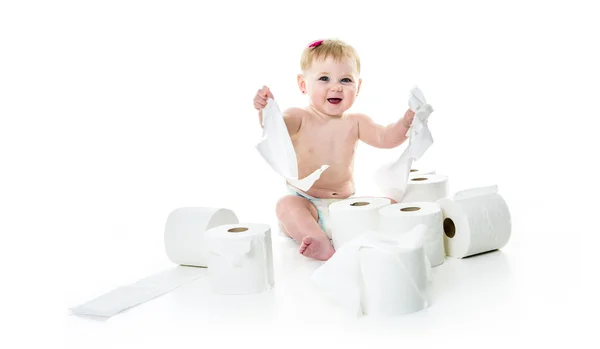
{"points": [[334, 100]]}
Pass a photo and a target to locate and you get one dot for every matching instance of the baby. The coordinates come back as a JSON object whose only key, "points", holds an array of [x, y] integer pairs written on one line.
{"points": [[324, 132]]}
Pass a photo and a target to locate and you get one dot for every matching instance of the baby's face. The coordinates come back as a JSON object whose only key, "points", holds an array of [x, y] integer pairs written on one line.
{"points": [[332, 86]]}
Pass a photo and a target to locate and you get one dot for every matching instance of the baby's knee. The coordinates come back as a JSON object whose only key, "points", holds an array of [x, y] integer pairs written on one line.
{"points": [[284, 205], [291, 203]]}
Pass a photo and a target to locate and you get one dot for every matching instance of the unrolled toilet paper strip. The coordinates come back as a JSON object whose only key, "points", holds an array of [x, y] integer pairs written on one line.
{"points": [[352, 217], [430, 188], [184, 245], [129, 296], [240, 259], [401, 218], [277, 149], [392, 177], [391, 278], [475, 221]]}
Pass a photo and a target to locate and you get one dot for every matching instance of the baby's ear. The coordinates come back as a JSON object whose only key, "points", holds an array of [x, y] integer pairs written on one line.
{"points": [[301, 83], [358, 86]]}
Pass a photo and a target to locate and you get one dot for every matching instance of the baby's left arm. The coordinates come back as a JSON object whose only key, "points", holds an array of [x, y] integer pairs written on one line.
{"points": [[385, 137]]}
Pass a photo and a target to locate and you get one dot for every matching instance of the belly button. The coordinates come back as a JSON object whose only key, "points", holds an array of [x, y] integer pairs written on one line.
{"points": [[334, 194]]}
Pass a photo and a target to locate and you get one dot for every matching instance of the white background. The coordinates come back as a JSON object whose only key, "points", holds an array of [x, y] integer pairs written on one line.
{"points": [[114, 113]]}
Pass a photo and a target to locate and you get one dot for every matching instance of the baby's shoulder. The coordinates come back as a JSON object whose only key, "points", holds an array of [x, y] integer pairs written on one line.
{"points": [[294, 111]]}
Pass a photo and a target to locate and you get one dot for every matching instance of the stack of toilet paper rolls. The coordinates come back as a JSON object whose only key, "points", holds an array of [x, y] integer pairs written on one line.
{"points": [[470, 222]]}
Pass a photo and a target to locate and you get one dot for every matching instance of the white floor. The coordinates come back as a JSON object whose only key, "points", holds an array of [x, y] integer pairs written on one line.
{"points": [[520, 293], [113, 114]]}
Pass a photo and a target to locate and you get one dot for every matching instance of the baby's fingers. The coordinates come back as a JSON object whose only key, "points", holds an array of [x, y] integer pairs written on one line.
{"points": [[259, 102]]}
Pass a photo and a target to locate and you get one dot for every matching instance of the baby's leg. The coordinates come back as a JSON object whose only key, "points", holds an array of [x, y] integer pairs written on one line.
{"points": [[298, 218]]}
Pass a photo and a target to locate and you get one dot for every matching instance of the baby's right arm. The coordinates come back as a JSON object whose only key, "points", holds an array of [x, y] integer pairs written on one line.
{"points": [[292, 116]]}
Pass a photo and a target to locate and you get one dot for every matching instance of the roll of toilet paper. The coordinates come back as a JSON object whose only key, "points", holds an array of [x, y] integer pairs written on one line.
{"points": [[401, 218], [352, 217], [476, 220], [378, 276], [395, 282], [420, 171], [240, 259], [429, 187], [185, 229]]}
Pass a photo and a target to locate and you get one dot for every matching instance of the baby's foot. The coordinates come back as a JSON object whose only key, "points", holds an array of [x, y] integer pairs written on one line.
{"points": [[317, 249]]}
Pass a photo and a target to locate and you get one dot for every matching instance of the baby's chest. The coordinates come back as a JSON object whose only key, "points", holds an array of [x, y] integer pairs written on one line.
{"points": [[334, 136]]}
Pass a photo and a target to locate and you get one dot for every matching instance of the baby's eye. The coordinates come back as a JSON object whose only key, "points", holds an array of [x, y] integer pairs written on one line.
{"points": [[346, 80], [324, 78]]}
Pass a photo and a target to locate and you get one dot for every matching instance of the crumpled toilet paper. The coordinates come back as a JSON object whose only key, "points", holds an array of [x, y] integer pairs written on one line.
{"points": [[392, 177], [377, 275], [277, 149]]}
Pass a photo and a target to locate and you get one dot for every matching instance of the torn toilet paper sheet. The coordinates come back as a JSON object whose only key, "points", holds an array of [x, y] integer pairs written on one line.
{"points": [[277, 149], [129, 296], [377, 275], [420, 138], [392, 177]]}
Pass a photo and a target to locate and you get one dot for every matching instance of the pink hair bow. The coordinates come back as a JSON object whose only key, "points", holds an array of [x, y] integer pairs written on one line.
{"points": [[316, 43]]}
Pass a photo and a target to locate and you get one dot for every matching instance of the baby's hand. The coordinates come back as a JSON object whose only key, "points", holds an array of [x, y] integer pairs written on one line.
{"points": [[260, 101], [408, 118]]}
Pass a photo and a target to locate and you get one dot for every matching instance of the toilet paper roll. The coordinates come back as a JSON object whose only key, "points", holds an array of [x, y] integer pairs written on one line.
{"points": [[375, 275], [475, 221], [430, 188], [414, 172], [353, 217], [394, 283], [184, 245], [240, 258], [401, 218], [185, 229]]}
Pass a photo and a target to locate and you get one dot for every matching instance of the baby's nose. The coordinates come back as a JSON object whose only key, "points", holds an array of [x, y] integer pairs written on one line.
{"points": [[336, 87]]}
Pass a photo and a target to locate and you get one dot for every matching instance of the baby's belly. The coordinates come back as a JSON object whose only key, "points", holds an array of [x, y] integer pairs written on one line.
{"points": [[336, 183], [334, 150]]}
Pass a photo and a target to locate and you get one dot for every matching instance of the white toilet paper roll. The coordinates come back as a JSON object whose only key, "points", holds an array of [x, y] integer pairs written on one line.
{"points": [[185, 229], [430, 188], [353, 217], [401, 218], [240, 259], [420, 171], [475, 221], [395, 282], [376, 275]]}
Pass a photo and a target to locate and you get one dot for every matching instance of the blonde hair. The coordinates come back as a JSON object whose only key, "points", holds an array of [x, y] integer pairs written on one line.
{"points": [[322, 49]]}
